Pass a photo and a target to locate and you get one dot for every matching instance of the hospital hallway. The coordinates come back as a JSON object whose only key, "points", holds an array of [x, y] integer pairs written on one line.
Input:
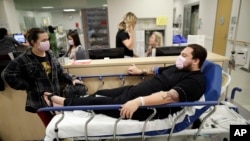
{"points": [[241, 79]]}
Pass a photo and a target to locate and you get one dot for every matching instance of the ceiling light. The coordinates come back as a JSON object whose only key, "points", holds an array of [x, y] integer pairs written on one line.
{"points": [[69, 10], [105, 5], [47, 7]]}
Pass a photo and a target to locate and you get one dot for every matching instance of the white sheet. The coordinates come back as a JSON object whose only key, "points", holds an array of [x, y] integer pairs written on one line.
{"points": [[73, 124]]}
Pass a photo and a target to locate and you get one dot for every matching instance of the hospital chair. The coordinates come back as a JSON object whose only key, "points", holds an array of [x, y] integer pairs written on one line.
{"points": [[80, 122]]}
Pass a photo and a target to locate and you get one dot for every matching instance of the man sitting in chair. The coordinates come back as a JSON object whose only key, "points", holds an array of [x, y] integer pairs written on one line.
{"points": [[181, 82]]}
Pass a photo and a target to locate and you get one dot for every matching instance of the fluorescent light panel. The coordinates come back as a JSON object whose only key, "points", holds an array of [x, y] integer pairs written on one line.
{"points": [[69, 10], [47, 7]]}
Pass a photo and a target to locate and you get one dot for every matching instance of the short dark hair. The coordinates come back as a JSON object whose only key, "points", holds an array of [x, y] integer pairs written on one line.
{"points": [[199, 52], [3, 32], [32, 34], [51, 29]]}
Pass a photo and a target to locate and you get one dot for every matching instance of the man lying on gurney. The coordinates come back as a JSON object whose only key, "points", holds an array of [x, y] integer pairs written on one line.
{"points": [[181, 82]]}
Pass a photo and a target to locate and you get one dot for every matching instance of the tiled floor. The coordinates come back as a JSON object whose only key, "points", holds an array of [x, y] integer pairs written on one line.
{"points": [[241, 79]]}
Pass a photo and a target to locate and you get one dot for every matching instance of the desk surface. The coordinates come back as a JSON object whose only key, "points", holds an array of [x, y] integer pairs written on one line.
{"points": [[142, 60]]}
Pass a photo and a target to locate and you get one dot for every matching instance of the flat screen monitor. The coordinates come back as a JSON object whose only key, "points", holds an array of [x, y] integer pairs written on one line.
{"points": [[106, 52], [169, 50], [19, 37]]}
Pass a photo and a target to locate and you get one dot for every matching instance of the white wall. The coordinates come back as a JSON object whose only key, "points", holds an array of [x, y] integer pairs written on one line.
{"points": [[179, 5], [66, 19], [37, 15], [142, 9], [243, 33], [55, 18], [207, 16], [3, 17], [20, 16], [10, 16], [40, 15], [243, 27], [207, 19]]}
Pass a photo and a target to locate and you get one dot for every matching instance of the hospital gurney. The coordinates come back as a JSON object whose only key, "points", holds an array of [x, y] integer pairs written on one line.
{"points": [[81, 121]]}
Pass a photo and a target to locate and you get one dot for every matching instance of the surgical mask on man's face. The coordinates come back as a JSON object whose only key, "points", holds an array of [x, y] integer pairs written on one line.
{"points": [[71, 42], [44, 46], [180, 62]]}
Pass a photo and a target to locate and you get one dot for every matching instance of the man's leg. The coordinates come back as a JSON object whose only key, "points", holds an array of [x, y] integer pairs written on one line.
{"points": [[61, 101], [113, 92], [94, 101], [112, 96]]}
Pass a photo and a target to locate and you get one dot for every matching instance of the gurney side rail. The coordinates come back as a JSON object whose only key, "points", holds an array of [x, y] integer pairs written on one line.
{"points": [[118, 106]]}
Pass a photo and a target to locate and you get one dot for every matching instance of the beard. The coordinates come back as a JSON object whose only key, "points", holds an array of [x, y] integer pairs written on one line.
{"points": [[187, 68]]}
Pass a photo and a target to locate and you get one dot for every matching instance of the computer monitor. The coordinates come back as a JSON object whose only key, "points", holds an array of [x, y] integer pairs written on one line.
{"points": [[169, 50], [106, 52], [19, 37]]}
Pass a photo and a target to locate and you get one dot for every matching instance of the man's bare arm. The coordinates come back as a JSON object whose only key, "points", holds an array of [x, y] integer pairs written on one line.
{"points": [[157, 98], [162, 97]]}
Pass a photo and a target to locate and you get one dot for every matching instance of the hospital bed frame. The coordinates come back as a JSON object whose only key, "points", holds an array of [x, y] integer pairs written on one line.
{"points": [[113, 107], [213, 75]]}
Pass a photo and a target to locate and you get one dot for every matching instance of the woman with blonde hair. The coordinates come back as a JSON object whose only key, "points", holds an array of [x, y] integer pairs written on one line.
{"points": [[155, 40], [125, 34]]}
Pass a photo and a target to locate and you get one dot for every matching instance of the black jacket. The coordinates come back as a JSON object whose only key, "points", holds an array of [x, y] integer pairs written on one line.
{"points": [[26, 73]]}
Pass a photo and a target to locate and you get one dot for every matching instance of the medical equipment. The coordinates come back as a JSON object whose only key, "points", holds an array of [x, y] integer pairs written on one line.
{"points": [[75, 123]]}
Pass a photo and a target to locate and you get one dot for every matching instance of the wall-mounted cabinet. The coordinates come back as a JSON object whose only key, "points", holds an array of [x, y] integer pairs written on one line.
{"points": [[95, 27]]}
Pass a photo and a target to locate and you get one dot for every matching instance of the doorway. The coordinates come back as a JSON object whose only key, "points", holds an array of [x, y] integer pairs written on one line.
{"points": [[190, 19], [221, 26]]}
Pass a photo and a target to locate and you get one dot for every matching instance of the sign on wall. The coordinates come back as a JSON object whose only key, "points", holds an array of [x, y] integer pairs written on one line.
{"points": [[161, 20]]}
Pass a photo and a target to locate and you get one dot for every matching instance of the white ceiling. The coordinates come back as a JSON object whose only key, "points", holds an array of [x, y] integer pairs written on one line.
{"points": [[59, 5]]}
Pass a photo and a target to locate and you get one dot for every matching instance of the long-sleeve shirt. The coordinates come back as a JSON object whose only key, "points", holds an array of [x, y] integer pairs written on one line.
{"points": [[26, 73]]}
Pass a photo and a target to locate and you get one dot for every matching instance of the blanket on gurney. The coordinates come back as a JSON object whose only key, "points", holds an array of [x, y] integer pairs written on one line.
{"points": [[73, 125], [102, 126]]}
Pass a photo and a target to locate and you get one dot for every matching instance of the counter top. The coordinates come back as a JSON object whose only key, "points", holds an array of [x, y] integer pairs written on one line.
{"points": [[141, 60]]}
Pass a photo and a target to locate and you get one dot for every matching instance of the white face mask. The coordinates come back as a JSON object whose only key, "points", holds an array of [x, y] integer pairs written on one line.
{"points": [[71, 42], [44, 46], [180, 62]]}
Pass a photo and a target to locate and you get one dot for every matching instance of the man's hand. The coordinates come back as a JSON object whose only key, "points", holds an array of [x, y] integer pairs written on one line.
{"points": [[129, 108], [76, 81], [134, 70]]}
